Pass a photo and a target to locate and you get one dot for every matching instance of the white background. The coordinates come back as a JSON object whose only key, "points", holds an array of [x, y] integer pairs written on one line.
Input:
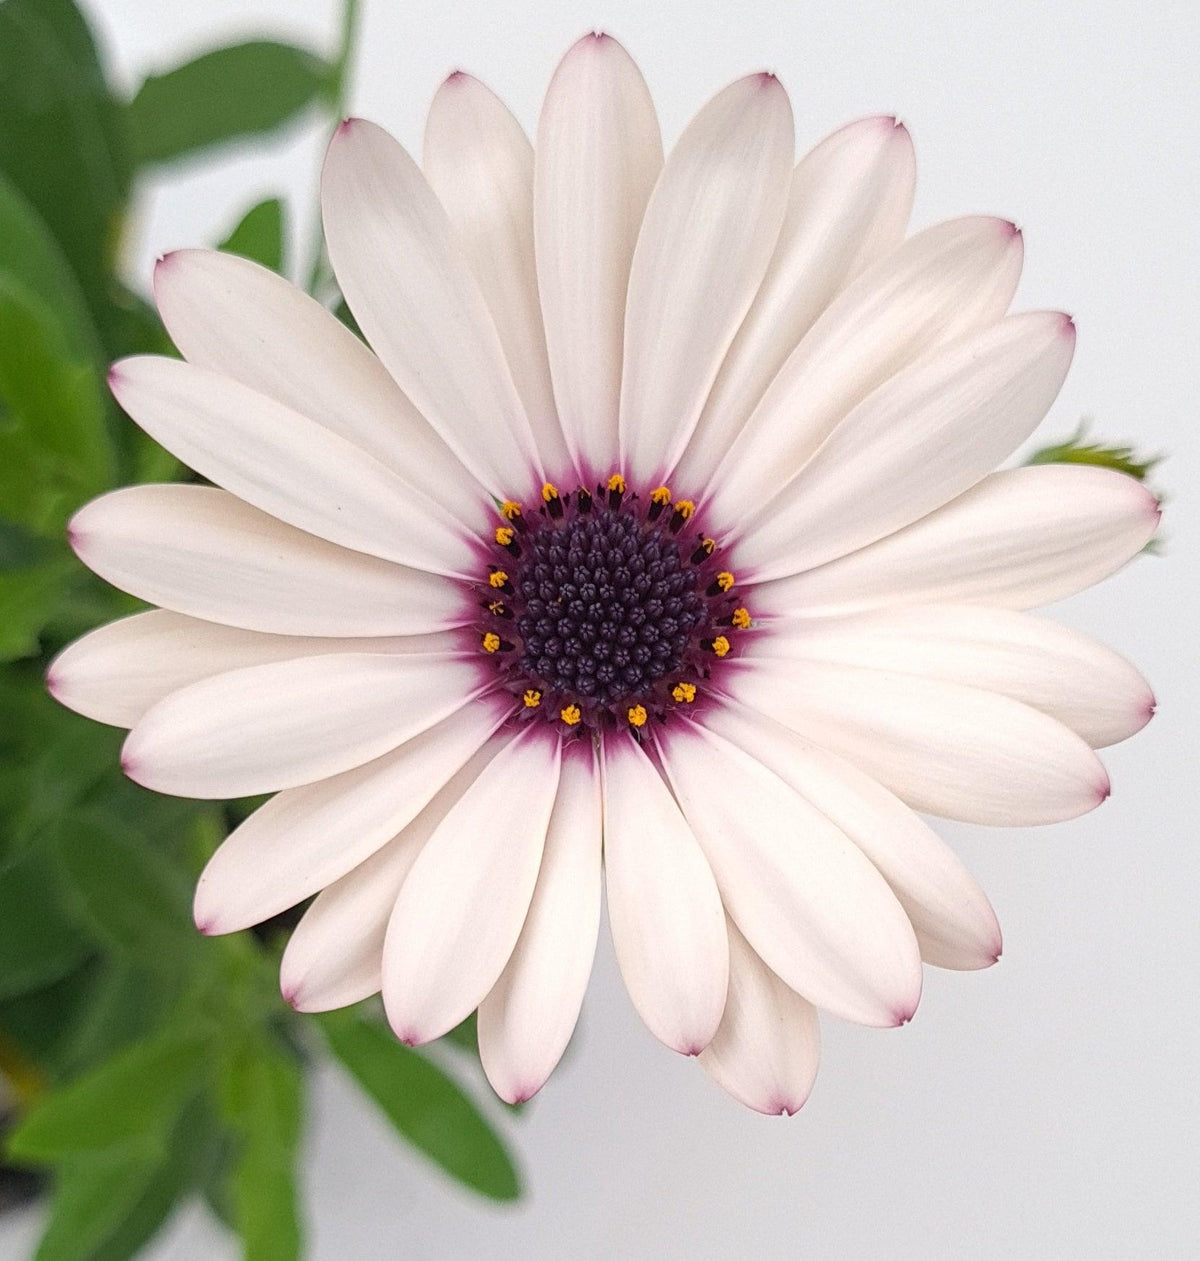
{"points": [[1046, 1108]]}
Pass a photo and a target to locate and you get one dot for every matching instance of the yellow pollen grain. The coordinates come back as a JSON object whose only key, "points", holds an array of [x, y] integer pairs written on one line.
{"points": [[570, 714], [684, 693], [532, 698], [497, 579], [617, 482], [510, 510], [504, 535], [685, 508], [708, 546], [724, 580], [549, 492], [741, 618], [720, 645], [491, 642], [637, 716], [660, 495], [496, 606]]}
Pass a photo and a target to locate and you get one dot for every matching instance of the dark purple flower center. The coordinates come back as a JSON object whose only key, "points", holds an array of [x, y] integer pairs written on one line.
{"points": [[606, 610]]}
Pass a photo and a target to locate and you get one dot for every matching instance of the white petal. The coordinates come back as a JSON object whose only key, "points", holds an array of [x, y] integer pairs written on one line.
{"points": [[460, 911], [411, 290], [930, 433], [804, 897], [940, 284], [849, 206], [943, 748], [287, 465], [480, 164], [335, 955], [950, 914], [663, 906], [708, 235], [1020, 538], [527, 1020], [768, 1046], [115, 673], [1084, 685], [288, 723], [305, 838], [237, 318], [598, 155], [202, 551]]}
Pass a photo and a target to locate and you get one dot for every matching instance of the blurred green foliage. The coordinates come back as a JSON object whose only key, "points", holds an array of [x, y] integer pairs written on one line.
{"points": [[146, 1062], [166, 124]]}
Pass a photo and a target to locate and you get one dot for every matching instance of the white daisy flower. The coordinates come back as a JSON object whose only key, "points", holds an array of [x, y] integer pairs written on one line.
{"points": [[654, 544]]}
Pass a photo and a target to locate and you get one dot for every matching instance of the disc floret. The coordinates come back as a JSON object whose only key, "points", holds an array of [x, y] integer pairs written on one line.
{"points": [[606, 609]]}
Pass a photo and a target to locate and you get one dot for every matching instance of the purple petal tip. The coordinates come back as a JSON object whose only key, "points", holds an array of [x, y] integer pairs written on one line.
{"points": [[593, 40], [131, 767]]}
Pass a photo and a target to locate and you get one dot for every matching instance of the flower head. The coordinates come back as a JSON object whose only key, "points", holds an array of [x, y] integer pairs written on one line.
{"points": [[655, 539]]}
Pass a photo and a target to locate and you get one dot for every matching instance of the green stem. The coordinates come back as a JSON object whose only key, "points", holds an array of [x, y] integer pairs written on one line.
{"points": [[341, 66], [338, 95]]}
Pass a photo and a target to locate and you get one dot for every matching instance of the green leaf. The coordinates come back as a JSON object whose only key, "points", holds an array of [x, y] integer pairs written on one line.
{"points": [[39, 943], [120, 1004], [465, 1036], [107, 1207], [39, 1024], [30, 256], [29, 599], [54, 447], [50, 760], [19, 549], [263, 1101], [140, 330], [195, 1146], [130, 1099], [259, 235], [426, 1106], [224, 95], [1075, 450], [54, 762], [131, 896], [91, 1199], [64, 139]]}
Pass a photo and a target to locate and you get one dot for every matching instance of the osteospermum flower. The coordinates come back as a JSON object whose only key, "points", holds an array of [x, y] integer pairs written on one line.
{"points": [[655, 540]]}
